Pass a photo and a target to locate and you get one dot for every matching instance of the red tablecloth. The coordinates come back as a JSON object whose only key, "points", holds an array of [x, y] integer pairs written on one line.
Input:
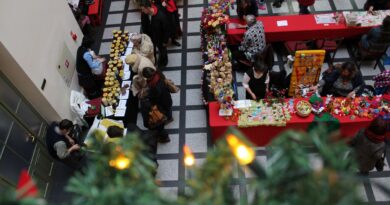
{"points": [[262, 135], [300, 27]]}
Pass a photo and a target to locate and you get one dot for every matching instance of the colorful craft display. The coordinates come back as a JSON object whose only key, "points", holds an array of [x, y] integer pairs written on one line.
{"points": [[303, 108], [364, 18], [306, 71], [261, 113], [217, 66], [362, 107], [112, 90]]}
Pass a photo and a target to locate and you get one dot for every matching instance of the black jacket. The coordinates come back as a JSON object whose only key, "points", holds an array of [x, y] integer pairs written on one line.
{"points": [[51, 138], [157, 28], [330, 78]]}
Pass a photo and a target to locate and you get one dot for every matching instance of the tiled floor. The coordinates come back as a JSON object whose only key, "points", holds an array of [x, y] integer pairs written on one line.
{"points": [[190, 124]]}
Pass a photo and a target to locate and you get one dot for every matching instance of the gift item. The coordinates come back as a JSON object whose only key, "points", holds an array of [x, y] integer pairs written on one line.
{"points": [[306, 71], [262, 114], [364, 18], [303, 108], [112, 89], [317, 104]]}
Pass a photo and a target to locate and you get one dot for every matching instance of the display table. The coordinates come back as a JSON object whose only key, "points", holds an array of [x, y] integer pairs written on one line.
{"points": [[299, 27], [262, 135]]}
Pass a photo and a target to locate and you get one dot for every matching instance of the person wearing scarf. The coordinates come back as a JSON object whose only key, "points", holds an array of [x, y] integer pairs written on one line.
{"points": [[369, 144]]}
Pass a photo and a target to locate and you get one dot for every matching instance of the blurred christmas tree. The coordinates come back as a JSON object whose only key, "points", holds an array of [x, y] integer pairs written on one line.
{"points": [[123, 174]]}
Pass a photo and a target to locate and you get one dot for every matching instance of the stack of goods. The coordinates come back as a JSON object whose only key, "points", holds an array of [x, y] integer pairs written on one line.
{"points": [[261, 113], [365, 19], [217, 72], [362, 107], [112, 90]]}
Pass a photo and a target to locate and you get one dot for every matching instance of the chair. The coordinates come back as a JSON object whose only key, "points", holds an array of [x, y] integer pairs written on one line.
{"points": [[367, 54], [330, 46], [293, 46]]}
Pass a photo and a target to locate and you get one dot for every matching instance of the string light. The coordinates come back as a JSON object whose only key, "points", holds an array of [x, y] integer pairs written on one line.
{"points": [[121, 162], [241, 151], [189, 159]]}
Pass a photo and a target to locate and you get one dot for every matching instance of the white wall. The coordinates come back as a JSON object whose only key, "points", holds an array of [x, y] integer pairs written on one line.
{"points": [[34, 32]]}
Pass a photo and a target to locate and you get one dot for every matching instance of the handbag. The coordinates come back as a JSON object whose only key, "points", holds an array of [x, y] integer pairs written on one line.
{"points": [[156, 117], [171, 86]]}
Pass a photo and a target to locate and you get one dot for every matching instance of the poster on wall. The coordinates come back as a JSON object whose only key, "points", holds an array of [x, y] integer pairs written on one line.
{"points": [[66, 65], [306, 71]]}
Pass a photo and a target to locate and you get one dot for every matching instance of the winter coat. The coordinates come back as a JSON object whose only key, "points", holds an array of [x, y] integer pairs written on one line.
{"points": [[145, 48], [157, 28], [330, 78], [141, 63], [367, 152]]}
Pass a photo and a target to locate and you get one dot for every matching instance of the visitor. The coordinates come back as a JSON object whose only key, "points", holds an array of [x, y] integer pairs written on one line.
{"points": [[256, 80], [60, 145], [174, 21], [261, 4], [247, 7], [87, 65], [373, 5], [142, 44], [382, 83], [155, 24], [115, 134], [369, 145], [378, 38], [303, 6], [253, 41], [138, 63], [156, 106], [345, 81]]}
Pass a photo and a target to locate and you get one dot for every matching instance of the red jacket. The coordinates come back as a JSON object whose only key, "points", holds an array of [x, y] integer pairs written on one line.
{"points": [[306, 2]]}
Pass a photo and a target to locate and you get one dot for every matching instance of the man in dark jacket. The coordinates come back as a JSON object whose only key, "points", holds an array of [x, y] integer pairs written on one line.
{"points": [[59, 144], [154, 23]]}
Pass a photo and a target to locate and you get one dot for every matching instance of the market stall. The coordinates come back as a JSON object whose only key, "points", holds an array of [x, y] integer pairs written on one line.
{"points": [[261, 122], [315, 26]]}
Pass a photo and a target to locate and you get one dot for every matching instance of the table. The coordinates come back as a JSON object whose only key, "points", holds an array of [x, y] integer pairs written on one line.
{"points": [[262, 135], [299, 28]]}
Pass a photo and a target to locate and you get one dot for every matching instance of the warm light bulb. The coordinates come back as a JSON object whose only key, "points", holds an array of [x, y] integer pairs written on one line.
{"points": [[121, 162], [243, 153], [189, 159]]}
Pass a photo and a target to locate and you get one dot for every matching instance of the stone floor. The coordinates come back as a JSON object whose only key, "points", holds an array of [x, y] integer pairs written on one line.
{"points": [[184, 68]]}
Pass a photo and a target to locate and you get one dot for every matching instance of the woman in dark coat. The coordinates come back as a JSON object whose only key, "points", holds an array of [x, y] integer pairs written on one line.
{"points": [[246, 7], [158, 95], [369, 144], [344, 81]]}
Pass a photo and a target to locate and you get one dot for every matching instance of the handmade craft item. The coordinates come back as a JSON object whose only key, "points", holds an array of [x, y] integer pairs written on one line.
{"points": [[303, 108], [306, 71]]}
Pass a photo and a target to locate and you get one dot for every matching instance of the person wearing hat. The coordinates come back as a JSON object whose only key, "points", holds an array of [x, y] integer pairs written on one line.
{"points": [[138, 63], [155, 24], [369, 145], [143, 45]]}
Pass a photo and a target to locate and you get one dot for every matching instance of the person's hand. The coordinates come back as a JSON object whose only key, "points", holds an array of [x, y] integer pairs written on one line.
{"points": [[371, 10], [71, 141], [314, 88], [102, 59], [74, 148], [351, 94], [253, 96], [164, 4]]}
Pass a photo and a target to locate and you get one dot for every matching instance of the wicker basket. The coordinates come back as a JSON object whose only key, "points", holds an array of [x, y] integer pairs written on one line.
{"points": [[300, 112]]}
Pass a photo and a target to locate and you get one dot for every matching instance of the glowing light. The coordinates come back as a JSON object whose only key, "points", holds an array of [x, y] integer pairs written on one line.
{"points": [[121, 162], [189, 159], [241, 151]]}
